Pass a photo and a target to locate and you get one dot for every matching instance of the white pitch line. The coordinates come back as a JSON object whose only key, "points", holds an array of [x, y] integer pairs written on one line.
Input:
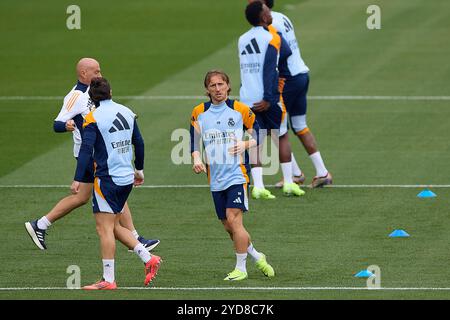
{"points": [[281, 288], [31, 186], [389, 186], [187, 97], [45, 98], [241, 288], [408, 98]]}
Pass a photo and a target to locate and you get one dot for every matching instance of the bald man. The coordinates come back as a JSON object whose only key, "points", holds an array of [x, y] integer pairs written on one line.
{"points": [[76, 106]]}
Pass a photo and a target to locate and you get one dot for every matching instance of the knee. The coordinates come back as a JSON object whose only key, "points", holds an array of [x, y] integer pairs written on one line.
{"points": [[299, 125], [229, 226], [84, 201], [82, 198], [117, 228], [230, 232], [103, 230], [100, 229]]}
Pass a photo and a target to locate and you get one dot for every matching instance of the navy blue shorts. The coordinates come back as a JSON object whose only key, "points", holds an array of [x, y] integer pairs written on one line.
{"points": [[271, 118], [294, 94], [235, 196], [109, 197], [88, 176]]}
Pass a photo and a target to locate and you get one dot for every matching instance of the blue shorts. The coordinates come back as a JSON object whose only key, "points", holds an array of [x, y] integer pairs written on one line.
{"points": [[235, 196], [109, 197], [294, 93], [88, 176], [271, 118]]}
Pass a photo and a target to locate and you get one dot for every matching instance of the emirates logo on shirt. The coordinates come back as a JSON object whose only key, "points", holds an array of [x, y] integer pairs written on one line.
{"points": [[231, 122]]}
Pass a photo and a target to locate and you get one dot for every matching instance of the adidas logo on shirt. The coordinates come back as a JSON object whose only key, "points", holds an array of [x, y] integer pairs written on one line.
{"points": [[119, 124], [251, 48], [287, 25]]}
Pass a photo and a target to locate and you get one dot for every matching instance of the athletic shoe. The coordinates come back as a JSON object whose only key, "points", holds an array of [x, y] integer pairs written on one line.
{"points": [[101, 285], [149, 244], [36, 234], [299, 179], [296, 179], [264, 267], [151, 269], [262, 193], [319, 182], [290, 189], [236, 275]]}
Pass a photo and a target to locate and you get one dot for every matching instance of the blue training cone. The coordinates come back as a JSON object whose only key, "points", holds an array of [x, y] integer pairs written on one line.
{"points": [[426, 194], [364, 274], [399, 234]]}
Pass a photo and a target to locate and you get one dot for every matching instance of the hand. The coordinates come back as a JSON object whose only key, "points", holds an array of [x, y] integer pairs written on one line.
{"points": [[261, 106], [138, 178], [70, 125], [238, 148], [75, 187], [198, 166]]}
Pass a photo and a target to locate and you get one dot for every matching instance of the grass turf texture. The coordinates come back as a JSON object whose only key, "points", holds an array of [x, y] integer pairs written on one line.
{"points": [[319, 240], [319, 247]]}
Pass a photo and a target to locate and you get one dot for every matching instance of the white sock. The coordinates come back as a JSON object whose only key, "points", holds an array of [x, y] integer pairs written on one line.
{"points": [[142, 253], [253, 253], [241, 259], [108, 270], [135, 234], [296, 171], [318, 164], [257, 175], [286, 167], [43, 223]]}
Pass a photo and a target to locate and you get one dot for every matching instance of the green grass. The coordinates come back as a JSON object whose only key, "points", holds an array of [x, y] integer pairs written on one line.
{"points": [[138, 44], [164, 48], [308, 243]]}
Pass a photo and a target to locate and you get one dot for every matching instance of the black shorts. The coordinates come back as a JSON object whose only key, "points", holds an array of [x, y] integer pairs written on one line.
{"points": [[294, 94], [235, 196], [109, 197], [271, 118]]}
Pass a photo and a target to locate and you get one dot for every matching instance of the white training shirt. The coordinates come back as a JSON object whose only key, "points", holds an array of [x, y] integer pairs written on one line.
{"points": [[76, 106], [296, 65], [253, 46]]}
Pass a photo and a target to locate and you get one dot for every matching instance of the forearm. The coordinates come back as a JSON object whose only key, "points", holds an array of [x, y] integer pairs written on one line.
{"points": [[196, 155], [139, 149], [59, 126], [270, 74], [139, 155], [86, 152], [83, 162], [250, 144]]}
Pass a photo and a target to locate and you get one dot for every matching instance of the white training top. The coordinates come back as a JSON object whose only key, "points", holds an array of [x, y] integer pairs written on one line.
{"points": [[284, 26], [253, 47], [76, 106]]}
